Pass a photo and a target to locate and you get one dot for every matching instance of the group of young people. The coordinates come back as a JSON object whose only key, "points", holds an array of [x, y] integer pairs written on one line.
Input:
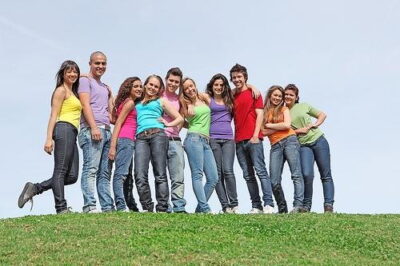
{"points": [[147, 121]]}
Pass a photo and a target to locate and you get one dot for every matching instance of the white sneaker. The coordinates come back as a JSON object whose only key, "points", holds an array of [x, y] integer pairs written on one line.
{"points": [[255, 211], [268, 209], [228, 210], [93, 211], [235, 210]]}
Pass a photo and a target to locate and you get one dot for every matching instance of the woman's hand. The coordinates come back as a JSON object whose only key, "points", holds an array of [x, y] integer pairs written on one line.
{"points": [[48, 146], [111, 153], [162, 120]]}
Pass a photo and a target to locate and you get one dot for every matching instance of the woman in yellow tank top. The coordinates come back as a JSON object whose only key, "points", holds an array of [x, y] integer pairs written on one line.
{"points": [[62, 129]]}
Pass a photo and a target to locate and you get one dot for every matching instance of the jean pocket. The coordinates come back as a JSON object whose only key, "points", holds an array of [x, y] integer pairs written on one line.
{"points": [[83, 136]]}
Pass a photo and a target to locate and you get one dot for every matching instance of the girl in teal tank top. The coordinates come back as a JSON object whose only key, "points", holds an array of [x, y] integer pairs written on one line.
{"points": [[194, 107], [152, 143]]}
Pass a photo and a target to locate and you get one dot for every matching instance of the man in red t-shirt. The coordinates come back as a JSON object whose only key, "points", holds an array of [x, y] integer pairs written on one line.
{"points": [[248, 117]]}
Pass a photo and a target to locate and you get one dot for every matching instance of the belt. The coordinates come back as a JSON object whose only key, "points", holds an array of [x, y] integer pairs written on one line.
{"points": [[149, 132], [106, 127], [174, 138]]}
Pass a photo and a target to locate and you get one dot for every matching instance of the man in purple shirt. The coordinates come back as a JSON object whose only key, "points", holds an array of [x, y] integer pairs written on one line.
{"points": [[94, 136], [175, 157]]}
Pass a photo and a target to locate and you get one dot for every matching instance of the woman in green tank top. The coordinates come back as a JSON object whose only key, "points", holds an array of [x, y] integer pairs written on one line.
{"points": [[194, 107]]}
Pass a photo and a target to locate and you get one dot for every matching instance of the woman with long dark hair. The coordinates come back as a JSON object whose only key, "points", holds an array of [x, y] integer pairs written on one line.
{"points": [[123, 137], [314, 147], [152, 143], [222, 141], [62, 129], [284, 146]]}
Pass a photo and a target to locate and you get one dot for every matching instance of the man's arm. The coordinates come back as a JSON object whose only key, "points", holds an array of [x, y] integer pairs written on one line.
{"points": [[84, 97], [259, 120]]}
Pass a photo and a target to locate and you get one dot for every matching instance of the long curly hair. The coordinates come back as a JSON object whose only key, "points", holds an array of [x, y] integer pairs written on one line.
{"points": [[227, 95], [277, 114], [184, 100], [124, 93]]}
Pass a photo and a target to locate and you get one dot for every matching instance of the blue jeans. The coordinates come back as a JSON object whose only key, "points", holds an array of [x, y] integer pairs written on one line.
{"points": [[123, 158], [201, 158], [286, 149], [224, 154], [319, 152], [176, 164], [96, 169], [251, 157], [153, 147]]}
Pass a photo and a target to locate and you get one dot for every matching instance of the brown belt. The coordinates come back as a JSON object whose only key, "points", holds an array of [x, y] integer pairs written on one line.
{"points": [[149, 132]]}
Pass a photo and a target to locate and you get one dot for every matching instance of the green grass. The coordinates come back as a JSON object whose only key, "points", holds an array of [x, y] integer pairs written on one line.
{"points": [[131, 238]]}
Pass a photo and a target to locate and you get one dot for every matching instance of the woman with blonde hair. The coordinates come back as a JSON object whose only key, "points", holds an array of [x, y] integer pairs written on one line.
{"points": [[284, 146], [194, 107]]}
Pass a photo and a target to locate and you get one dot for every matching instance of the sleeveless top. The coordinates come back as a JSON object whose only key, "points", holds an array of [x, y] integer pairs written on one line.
{"points": [[221, 119], [280, 134], [148, 115], [70, 111], [129, 126], [200, 122]]}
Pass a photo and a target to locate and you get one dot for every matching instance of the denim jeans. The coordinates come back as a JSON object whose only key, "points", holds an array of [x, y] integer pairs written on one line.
{"points": [[152, 147], [96, 170], [176, 164], [224, 154], [201, 158], [123, 158], [66, 163], [286, 149], [319, 152], [251, 157], [128, 190]]}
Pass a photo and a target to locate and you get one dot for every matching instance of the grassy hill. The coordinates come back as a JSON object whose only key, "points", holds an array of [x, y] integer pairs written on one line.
{"points": [[150, 238]]}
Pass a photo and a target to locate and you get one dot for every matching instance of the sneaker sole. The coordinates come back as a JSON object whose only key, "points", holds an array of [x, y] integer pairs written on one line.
{"points": [[21, 201]]}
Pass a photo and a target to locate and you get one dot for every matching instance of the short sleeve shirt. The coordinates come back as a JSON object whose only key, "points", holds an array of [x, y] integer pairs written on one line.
{"points": [[245, 115], [99, 94], [301, 114]]}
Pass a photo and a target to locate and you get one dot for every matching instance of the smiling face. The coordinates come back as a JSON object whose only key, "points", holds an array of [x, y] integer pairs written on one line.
{"points": [[290, 97], [137, 89], [152, 87], [189, 89], [218, 87], [98, 65], [70, 76], [238, 80], [173, 83], [276, 97]]}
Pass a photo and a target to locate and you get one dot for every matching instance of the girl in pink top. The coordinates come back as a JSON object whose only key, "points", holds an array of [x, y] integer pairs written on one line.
{"points": [[123, 137]]}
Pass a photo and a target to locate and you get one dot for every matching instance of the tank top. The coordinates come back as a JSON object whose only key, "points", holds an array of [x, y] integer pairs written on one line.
{"points": [[129, 126], [200, 122], [148, 115], [221, 119], [280, 134], [70, 112]]}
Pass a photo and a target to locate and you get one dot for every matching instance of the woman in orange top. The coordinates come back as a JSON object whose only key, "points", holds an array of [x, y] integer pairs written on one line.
{"points": [[284, 146]]}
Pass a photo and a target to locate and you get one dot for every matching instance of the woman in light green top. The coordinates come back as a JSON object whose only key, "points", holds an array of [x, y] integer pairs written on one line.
{"points": [[194, 107], [314, 147]]}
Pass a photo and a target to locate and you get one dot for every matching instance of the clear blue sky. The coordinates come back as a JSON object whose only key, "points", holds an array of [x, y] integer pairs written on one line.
{"points": [[343, 55]]}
